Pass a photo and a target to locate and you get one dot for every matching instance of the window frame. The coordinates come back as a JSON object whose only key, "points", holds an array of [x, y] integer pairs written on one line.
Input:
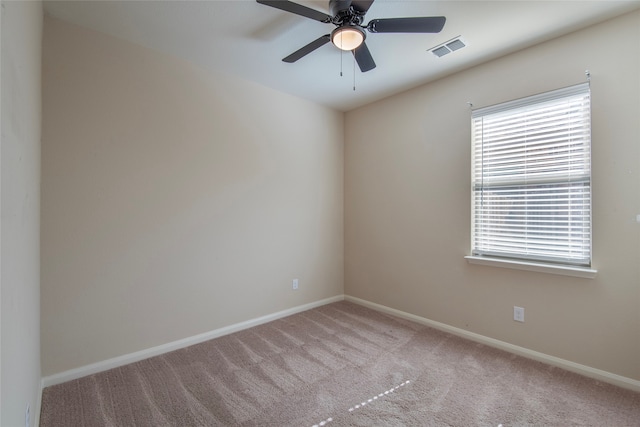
{"points": [[519, 259]]}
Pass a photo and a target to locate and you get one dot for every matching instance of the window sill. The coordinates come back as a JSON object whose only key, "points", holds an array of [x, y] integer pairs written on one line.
{"points": [[586, 273]]}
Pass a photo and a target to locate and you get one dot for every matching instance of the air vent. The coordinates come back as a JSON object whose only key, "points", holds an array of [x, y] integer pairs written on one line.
{"points": [[456, 44], [448, 47], [440, 51]]}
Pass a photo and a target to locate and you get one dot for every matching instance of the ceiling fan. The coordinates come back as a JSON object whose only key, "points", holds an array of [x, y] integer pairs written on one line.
{"points": [[349, 34]]}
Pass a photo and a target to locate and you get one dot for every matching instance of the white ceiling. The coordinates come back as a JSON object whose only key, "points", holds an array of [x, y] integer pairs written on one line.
{"points": [[247, 39]]}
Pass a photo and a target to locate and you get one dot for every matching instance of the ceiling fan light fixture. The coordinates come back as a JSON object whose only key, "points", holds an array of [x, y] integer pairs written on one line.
{"points": [[347, 37]]}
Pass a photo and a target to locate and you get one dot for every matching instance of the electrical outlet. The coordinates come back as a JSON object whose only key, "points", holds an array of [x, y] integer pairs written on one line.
{"points": [[295, 284], [518, 314], [27, 416]]}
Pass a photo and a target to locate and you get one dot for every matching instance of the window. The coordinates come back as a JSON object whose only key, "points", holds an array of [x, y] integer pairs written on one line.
{"points": [[531, 179]]}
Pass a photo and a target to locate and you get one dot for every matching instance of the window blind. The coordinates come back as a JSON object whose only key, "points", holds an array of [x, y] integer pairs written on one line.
{"points": [[531, 178]]}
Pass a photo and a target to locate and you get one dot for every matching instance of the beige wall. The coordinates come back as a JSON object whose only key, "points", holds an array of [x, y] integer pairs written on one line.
{"points": [[20, 225], [175, 201], [407, 204]]}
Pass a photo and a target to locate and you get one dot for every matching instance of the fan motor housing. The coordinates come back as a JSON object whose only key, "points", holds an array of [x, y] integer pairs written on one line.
{"points": [[344, 14], [337, 6]]}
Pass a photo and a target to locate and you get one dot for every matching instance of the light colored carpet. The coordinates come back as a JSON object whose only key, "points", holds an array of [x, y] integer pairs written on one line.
{"points": [[338, 365]]}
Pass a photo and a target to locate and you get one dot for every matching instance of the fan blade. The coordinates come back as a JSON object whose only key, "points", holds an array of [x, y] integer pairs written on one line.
{"points": [[320, 41], [427, 24], [298, 9], [364, 58], [361, 6]]}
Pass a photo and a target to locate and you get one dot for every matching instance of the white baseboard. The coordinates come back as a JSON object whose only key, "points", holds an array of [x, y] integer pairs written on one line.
{"points": [[115, 362], [577, 368], [105, 365], [36, 415]]}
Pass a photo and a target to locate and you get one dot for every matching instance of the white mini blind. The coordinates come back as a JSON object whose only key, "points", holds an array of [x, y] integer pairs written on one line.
{"points": [[531, 178]]}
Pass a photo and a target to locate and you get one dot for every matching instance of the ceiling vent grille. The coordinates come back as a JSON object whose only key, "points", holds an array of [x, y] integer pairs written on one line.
{"points": [[448, 47]]}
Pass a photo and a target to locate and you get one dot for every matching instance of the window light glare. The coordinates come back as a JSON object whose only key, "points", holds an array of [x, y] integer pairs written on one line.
{"points": [[347, 38]]}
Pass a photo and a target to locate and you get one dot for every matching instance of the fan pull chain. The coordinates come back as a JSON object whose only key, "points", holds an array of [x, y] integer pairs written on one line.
{"points": [[354, 73], [341, 53]]}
